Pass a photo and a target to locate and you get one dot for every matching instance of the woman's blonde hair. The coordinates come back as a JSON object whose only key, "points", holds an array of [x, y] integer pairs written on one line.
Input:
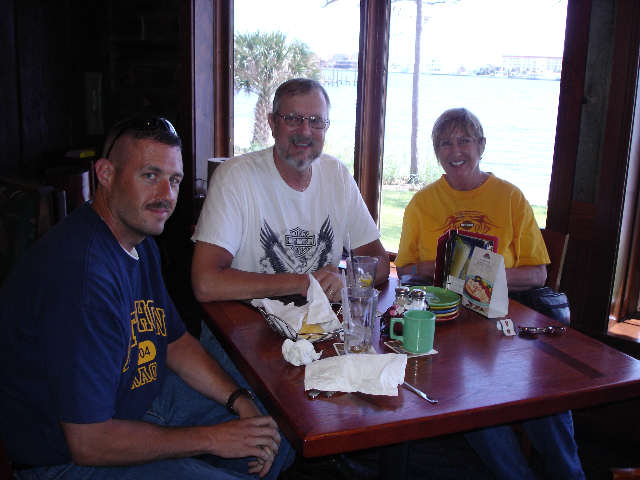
{"points": [[456, 119]]}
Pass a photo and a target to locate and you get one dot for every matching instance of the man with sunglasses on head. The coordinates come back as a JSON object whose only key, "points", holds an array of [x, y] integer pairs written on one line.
{"points": [[98, 376], [275, 216]]}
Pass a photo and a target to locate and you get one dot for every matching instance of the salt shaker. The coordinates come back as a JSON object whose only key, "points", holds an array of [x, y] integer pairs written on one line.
{"points": [[418, 300], [402, 297]]}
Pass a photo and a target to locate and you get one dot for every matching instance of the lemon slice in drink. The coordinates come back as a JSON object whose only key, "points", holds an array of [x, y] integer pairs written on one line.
{"points": [[366, 280]]}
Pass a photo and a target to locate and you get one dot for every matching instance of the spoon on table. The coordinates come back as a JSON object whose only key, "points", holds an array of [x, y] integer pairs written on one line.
{"points": [[420, 393]]}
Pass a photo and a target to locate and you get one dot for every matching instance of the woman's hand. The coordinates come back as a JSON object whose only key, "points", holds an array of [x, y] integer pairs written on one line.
{"points": [[418, 270]]}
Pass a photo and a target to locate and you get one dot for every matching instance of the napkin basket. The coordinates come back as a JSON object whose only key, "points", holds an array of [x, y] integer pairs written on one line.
{"points": [[278, 325], [285, 330]]}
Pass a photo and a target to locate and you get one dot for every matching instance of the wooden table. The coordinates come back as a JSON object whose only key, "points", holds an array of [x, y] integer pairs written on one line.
{"points": [[480, 377]]}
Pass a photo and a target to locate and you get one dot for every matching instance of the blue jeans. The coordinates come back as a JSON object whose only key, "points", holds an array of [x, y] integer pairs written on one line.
{"points": [[170, 409], [551, 436]]}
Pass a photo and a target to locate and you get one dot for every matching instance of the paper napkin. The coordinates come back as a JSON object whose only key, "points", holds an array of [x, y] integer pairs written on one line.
{"points": [[366, 373], [289, 313], [300, 352], [317, 310]]}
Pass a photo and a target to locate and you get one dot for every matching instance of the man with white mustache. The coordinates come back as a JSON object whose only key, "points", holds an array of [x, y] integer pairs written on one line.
{"points": [[275, 216]]}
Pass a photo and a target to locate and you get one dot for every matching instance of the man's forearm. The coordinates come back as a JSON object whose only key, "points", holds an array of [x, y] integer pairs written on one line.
{"points": [[193, 364], [124, 442], [232, 284], [127, 442]]}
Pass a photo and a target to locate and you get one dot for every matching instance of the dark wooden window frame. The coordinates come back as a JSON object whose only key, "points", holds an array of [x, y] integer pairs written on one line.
{"points": [[372, 99], [574, 62], [620, 181]]}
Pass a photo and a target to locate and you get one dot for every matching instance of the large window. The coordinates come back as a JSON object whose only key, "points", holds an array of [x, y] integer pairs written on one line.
{"points": [[489, 57], [280, 39]]}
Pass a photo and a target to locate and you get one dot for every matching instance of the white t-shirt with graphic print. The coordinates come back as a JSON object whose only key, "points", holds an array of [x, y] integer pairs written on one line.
{"points": [[269, 227]]}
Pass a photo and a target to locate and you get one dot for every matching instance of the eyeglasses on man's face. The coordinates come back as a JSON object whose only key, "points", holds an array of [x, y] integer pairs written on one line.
{"points": [[295, 120], [143, 124], [461, 142]]}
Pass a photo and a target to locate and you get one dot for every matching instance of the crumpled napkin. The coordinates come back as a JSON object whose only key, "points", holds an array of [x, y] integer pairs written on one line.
{"points": [[300, 352], [317, 310], [291, 314], [366, 373]]}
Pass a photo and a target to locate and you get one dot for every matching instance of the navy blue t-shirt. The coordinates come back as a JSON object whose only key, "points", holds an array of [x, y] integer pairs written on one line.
{"points": [[84, 329]]}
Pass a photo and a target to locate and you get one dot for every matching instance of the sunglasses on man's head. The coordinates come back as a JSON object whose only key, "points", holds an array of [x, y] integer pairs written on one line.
{"points": [[142, 124]]}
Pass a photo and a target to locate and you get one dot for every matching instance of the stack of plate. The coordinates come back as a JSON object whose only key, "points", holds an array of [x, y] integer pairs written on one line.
{"points": [[444, 303]]}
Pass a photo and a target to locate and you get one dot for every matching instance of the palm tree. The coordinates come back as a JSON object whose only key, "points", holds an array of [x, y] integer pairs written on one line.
{"points": [[262, 62]]}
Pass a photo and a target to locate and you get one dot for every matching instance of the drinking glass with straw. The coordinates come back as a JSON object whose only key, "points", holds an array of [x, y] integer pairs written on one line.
{"points": [[350, 273], [346, 311]]}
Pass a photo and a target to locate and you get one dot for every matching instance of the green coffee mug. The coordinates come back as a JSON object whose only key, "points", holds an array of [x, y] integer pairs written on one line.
{"points": [[418, 327]]}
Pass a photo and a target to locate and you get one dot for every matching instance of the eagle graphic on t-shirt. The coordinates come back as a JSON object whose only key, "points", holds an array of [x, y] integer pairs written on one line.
{"points": [[470, 220], [297, 250]]}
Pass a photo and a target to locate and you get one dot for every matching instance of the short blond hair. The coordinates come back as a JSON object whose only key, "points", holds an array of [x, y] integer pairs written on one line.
{"points": [[456, 119]]}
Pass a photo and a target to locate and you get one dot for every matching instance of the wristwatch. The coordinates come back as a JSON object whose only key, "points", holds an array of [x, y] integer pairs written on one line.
{"points": [[235, 395]]}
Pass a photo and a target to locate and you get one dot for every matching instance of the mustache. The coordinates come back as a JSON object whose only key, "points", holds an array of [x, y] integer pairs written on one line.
{"points": [[161, 204], [297, 138]]}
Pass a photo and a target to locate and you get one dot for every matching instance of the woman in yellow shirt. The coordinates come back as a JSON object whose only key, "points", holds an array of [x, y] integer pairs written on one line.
{"points": [[467, 198]]}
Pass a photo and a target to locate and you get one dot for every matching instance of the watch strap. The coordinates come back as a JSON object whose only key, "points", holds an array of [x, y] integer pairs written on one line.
{"points": [[234, 396]]}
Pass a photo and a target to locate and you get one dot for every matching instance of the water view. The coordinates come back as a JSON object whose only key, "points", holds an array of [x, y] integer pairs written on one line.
{"points": [[496, 65], [518, 116]]}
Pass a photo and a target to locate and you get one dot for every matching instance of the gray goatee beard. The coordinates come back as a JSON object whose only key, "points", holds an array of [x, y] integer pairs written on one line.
{"points": [[301, 164]]}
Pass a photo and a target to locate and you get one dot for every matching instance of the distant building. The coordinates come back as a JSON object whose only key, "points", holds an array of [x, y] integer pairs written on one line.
{"points": [[432, 65], [531, 64], [340, 60]]}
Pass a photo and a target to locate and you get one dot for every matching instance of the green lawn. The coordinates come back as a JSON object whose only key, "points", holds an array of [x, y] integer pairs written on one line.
{"points": [[393, 205]]}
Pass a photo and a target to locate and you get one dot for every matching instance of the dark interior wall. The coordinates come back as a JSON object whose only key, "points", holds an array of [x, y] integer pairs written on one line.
{"points": [[43, 62], [9, 126], [87, 53], [50, 48], [47, 46], [144, 62]]}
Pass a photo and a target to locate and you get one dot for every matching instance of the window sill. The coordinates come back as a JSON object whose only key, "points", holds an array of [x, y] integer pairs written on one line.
{"points": [[627, 330]]}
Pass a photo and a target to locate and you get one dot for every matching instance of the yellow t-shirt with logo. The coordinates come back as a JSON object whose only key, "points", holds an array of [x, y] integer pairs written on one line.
{"points": [[495, 208]]}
